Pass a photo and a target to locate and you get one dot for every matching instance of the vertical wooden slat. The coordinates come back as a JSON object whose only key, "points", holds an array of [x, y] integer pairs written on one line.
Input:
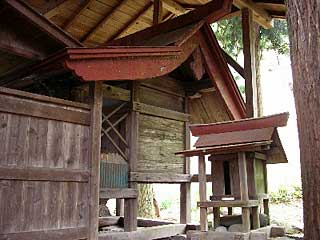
{"points": [[203, 193], [95, 152], [249, 62]]}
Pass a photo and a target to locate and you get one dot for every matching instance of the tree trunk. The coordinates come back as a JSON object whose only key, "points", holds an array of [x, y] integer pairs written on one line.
{"points": [[145, 201], [304, 33], [258, 54]]}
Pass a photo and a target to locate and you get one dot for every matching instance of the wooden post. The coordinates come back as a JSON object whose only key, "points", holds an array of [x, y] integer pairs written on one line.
{"points": [[249, 62], [119, 207], [255, 218], [131, 205], [185, 197], [244, 190], [203, 193], [216, 217], [157, 12], [95, 152], [266, 201]]}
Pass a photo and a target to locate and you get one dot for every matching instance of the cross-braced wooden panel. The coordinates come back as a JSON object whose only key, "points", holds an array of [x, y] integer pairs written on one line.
{"points": [[108, 126]]}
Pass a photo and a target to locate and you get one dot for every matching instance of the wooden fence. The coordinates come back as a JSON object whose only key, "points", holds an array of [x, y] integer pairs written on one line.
{"points": [[45, 164]]}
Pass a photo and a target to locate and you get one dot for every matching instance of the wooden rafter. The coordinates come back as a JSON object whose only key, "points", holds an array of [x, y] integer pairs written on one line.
{"points": [[103, 21], [50, 6], [54, 10], [174, 7], [131, 23], [76, 14], [157, 12], [261, 16]]}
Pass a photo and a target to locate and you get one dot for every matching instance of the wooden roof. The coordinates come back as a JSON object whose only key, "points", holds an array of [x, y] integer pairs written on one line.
{"points": [[94, 22], [47, 26]]}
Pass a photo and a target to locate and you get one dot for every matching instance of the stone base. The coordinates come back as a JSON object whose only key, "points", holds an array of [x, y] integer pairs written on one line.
{"points": [[257, 234], [196, 235]]}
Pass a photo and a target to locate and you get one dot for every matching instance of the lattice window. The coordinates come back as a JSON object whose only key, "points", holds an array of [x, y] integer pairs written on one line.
{"points": [[108, 125]]}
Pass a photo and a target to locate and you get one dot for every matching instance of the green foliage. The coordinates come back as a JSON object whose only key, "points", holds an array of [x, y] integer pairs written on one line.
{"points": [[166, 204], [229, 35], [297, 192], [286, 194], [281, 196]]}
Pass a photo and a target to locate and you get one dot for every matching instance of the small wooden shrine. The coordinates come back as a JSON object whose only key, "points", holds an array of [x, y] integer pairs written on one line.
{"points": [[239, 152]]}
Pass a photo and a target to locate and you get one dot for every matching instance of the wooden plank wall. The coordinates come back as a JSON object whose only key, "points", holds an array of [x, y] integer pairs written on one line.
{"points": [[44, 167], [208, 108], [159, 136]]}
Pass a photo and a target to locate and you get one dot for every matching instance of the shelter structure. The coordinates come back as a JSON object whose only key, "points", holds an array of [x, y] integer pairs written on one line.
{"points": [[86, 115], [239, 152]]}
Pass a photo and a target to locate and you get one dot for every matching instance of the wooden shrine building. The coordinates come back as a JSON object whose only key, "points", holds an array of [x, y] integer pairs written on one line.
{"points": [[87, 113], [239, 152]]}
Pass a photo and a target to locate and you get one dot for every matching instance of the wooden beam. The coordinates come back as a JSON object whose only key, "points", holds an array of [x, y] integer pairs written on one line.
{"points": [[41, 22], [157, 12], [43, 174], [49, 7], [61, 233], [103, 22], [76, 14], [174, 7], [108, 91], [13, 42], [195, 178], [211, 12], [233, 63], [261, 16], [118, 193], [148, 233], [130, 23], [249, 63], [160, 112], [144, 177], [41, 107], [231, 203]]}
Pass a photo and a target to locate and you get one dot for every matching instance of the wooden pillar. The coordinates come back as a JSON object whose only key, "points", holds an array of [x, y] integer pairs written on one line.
{"points": [[119, 207], [216, 211], [131, 205], [203, 193], [157, 11], [185, 196], [255, 218], [216, 217], [249, 62], [95, 152], [244, 190], [266, 201]]}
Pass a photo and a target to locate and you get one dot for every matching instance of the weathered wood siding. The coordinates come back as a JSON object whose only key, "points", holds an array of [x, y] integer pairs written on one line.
{"points": [[161, 137], [209, 108], [44, 167]]}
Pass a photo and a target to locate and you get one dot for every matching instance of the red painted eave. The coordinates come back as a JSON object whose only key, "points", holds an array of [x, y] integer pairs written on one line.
{"points": [[278, 120]]}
